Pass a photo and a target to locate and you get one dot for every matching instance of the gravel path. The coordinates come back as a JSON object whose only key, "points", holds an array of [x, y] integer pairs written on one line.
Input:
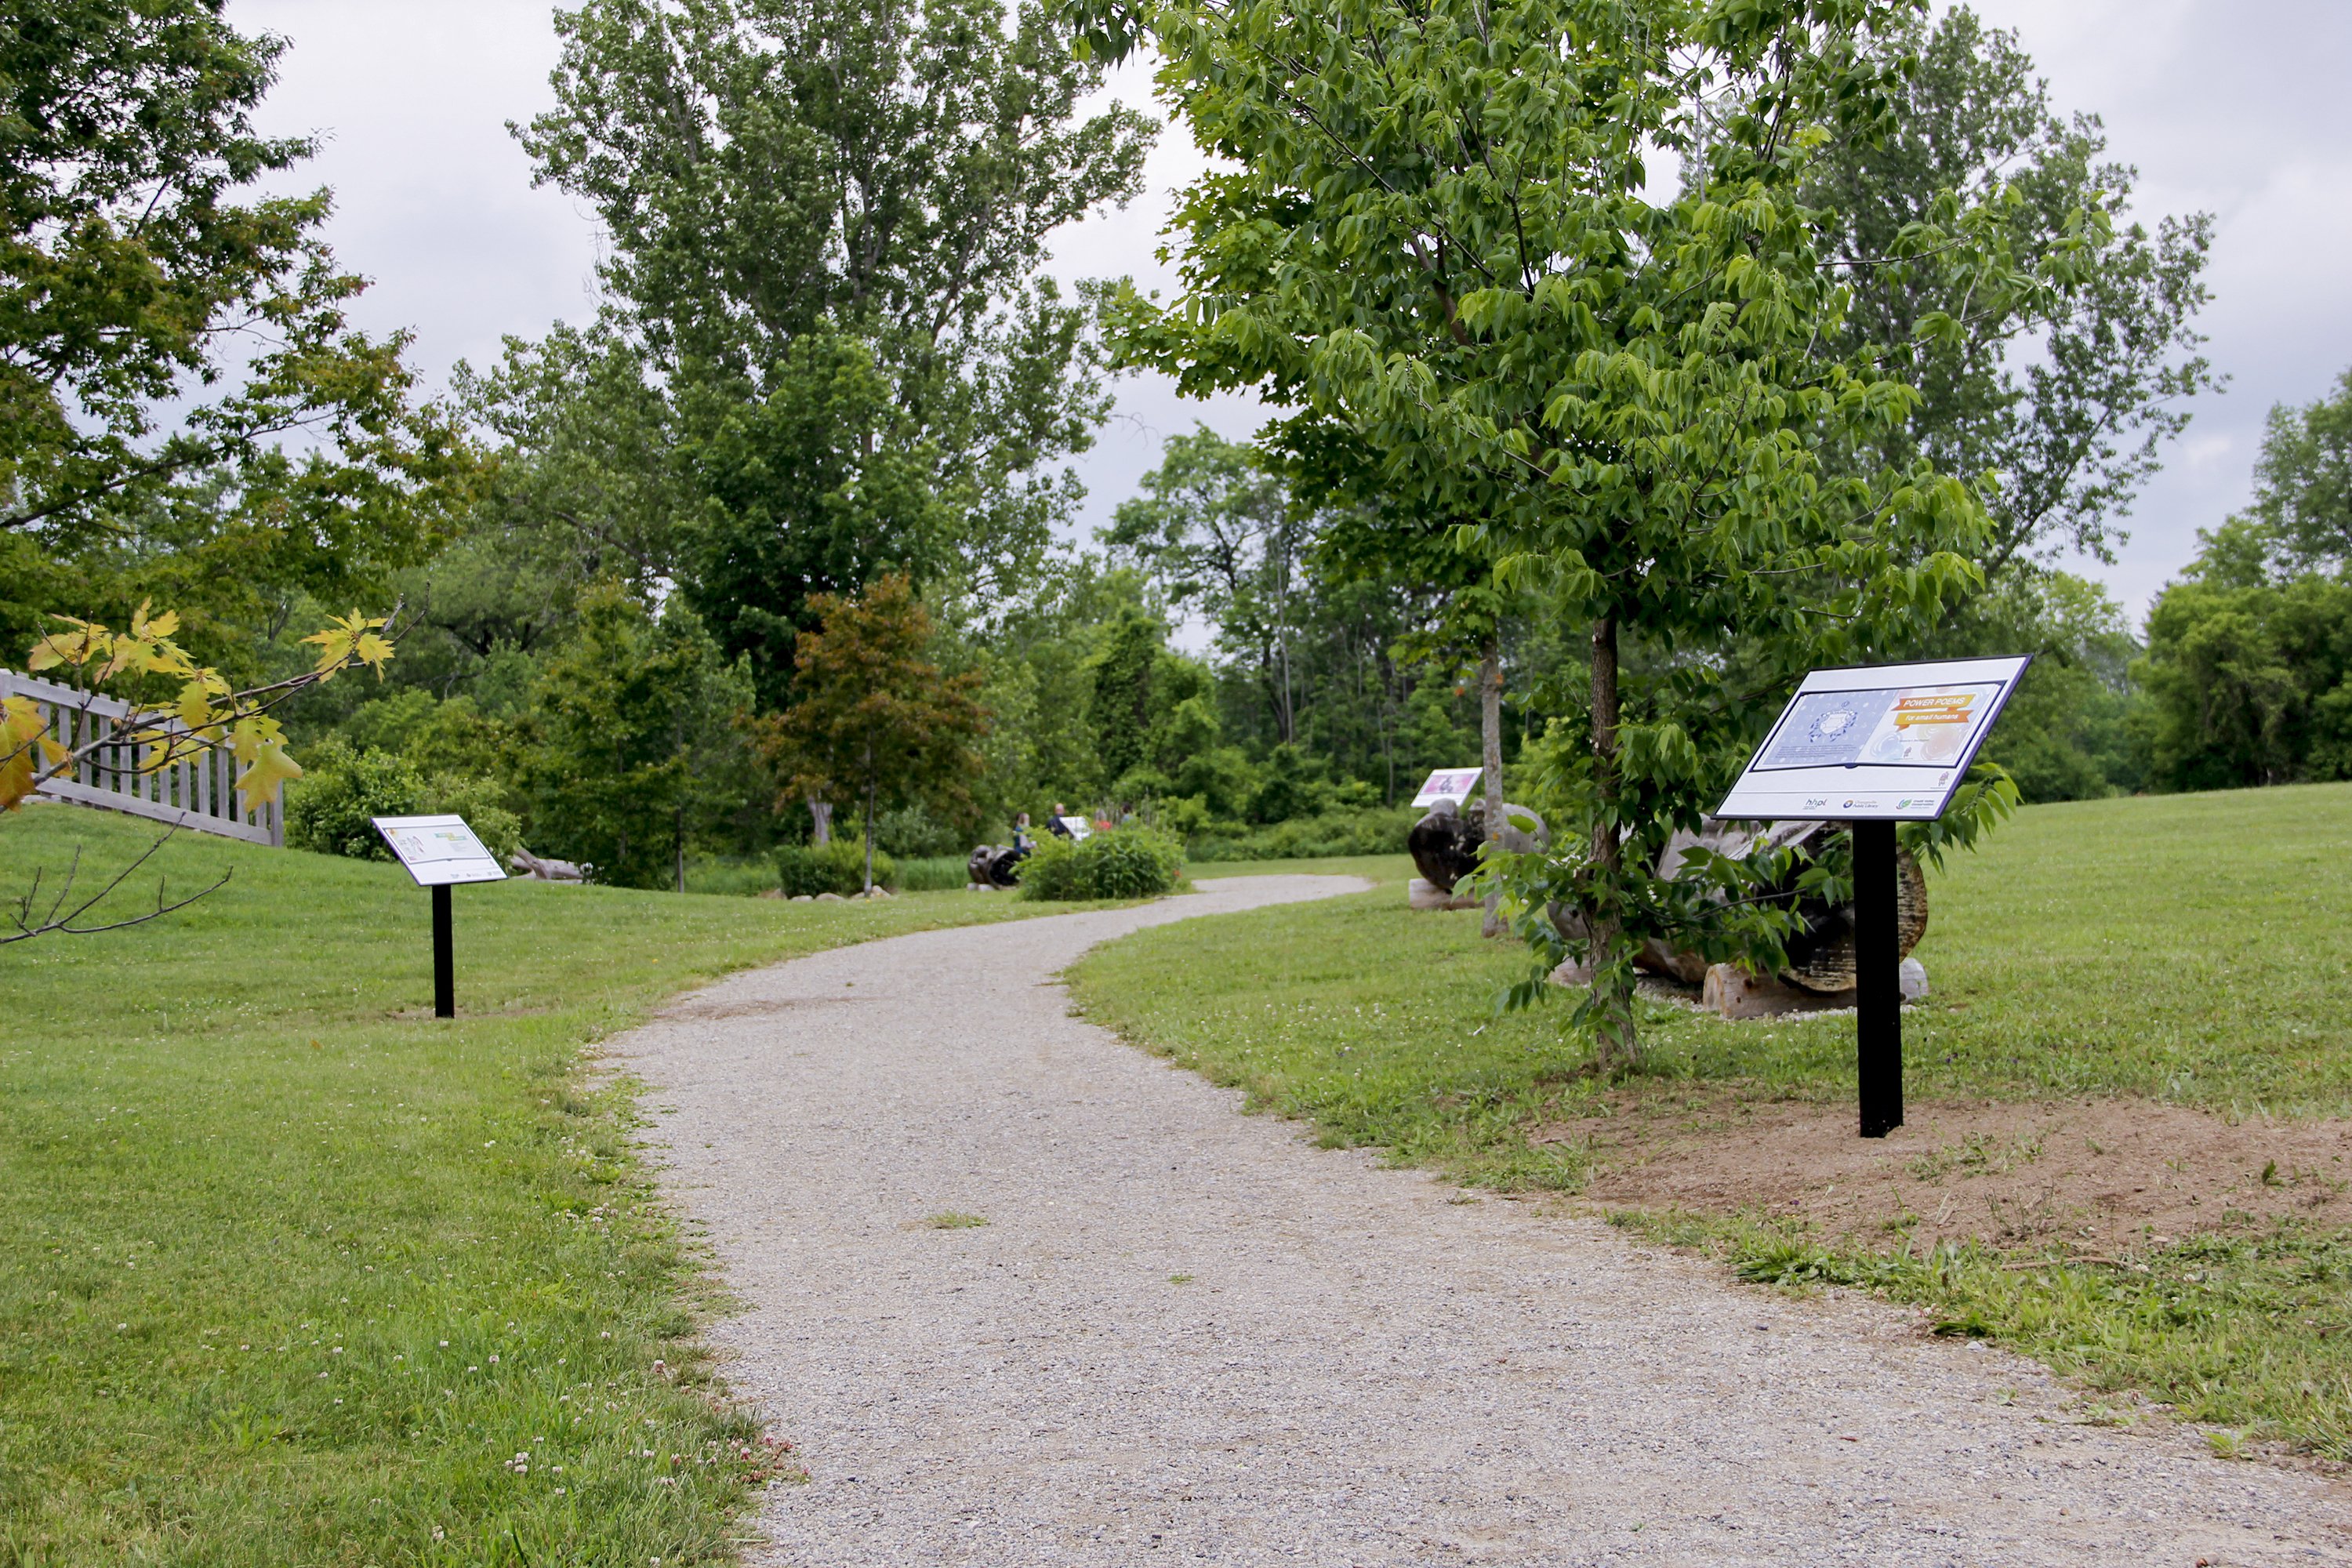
{"points": [[1187, 1332]]}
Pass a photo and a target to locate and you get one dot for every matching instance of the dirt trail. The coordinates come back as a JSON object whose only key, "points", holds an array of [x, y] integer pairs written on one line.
{"points": [[1186, 1330]]}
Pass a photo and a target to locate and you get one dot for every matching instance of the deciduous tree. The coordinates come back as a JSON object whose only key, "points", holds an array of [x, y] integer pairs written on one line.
{"points": [[1434, 223], [828, 227], [876, 720]]}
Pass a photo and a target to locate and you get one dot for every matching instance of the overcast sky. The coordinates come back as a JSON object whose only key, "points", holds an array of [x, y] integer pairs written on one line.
{"points": [[2236, 107]]}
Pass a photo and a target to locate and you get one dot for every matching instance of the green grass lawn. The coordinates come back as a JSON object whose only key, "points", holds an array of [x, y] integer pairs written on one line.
{"points": [[1383, 870], [291, 1272], [2193, 948]]}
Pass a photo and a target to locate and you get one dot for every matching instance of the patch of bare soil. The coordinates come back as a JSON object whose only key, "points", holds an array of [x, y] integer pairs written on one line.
{"points": [[2098, 1177]]}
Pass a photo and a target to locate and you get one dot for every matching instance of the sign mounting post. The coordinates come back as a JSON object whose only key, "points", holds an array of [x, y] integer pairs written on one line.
{"points": [[440, 851], [1873, 746]]}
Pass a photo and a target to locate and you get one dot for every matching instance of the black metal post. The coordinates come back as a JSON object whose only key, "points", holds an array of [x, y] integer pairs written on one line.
{"points": [[1878, 985], [445, 983]]}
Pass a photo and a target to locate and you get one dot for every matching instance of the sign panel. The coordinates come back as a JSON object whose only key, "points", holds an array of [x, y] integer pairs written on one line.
{"points": [[439, 850], [1448, 784], [1077, 827], [1888, 743]]}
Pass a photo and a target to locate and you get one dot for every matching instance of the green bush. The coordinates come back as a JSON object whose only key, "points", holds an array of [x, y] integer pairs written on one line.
{"points": [[835, 867], [482, 802], [327, 810], [1132, 862], [1378, 830]]}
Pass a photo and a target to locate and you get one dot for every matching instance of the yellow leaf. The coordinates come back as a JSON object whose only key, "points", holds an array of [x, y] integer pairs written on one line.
{"points": [[196, 705], [258, 745], [350, 639], [24, 745], [162, 626]]}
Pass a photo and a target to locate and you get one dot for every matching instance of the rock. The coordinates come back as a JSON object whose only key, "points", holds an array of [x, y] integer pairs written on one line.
{"points": [[803, 898], [994, 865], [1573, 972], [1735, 993], [1445, 844], [831, 899], [1422, 894]]}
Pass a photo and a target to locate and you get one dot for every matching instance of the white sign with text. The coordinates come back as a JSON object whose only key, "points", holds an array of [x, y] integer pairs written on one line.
{"points": [[1448, 784], [1888, 743], [438, 850]]}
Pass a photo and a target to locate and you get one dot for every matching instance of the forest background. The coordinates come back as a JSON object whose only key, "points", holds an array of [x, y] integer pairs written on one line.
{"points": [[828, 357]]}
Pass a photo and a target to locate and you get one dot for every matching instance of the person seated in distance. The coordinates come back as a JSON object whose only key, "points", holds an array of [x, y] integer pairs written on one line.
{"points": [[1055, 823]]}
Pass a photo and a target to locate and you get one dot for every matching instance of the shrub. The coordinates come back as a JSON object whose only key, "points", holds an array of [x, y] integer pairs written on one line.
{"points": [[328, 809], [482, 802], [1132, 862], [835, 867]]}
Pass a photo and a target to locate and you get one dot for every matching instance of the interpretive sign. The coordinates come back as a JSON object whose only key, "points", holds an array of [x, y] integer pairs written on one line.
{"points": [[1077, 827], [1447, 784], [1878, 744], [1873, 746], [439, 851]]}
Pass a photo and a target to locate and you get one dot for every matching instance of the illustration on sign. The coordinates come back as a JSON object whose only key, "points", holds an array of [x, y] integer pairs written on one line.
{"points": [[1915, 728], [438, 850], [1447, 784]]}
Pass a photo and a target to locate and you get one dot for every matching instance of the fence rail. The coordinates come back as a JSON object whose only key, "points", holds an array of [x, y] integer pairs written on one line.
{"points": [[196, 792]]}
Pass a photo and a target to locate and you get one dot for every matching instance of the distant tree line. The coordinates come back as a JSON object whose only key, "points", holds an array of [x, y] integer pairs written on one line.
{"points": [[829, 397]]}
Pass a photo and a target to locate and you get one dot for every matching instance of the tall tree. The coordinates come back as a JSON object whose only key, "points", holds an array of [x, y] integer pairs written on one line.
{"points": [[828, 225], [1435, 225], [634, 722], [2067, 403], [1217, 531], [2302, 483], [164, 326], [876, 720]]}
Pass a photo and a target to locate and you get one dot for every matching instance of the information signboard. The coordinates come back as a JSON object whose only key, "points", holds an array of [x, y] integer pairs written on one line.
{"points": [[1078, 829], [1448, 784], [439, 850], [1888, 743]]}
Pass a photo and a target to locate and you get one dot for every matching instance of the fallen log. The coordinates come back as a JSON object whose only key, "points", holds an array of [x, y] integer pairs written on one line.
{"points": [[1821, 951]]}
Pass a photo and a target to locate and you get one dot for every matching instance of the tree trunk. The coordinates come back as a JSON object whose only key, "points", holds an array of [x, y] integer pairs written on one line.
{"points": [[678, 845], [869, 830], [1490, 736], [821, 814], [1612, 970]]}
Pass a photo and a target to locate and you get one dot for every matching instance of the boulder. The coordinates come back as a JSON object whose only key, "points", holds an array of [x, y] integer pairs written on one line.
{"points": [[1445, 844], [995, 865]]}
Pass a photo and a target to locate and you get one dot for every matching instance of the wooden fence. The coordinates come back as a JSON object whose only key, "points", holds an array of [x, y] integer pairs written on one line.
{"points": [[196, 792]]}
